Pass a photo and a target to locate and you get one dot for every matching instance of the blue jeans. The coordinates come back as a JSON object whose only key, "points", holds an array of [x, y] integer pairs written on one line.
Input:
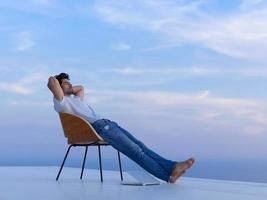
{"points": [[124, 142]]}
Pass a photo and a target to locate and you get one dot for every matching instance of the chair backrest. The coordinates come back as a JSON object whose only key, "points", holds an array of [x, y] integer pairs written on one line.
{"points": [[77, 129]]}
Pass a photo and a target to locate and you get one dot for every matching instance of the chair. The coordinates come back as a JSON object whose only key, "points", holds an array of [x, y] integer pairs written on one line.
{"points": [[81, 133]]}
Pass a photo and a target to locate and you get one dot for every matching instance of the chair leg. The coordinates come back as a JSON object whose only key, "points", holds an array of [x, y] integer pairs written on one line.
{"points": [[119, 157], [85, 153], [100, 164], [66, 155]]}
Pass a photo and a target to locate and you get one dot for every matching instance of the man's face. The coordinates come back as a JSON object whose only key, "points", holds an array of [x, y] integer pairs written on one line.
{"points": [[66, 86]]}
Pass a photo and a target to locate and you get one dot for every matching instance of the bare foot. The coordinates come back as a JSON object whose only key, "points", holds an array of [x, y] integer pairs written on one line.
{"points": [[180, 169]]}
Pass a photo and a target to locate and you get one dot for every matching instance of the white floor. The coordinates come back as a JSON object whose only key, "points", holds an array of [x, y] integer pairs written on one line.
{"points": [[38, 183]]}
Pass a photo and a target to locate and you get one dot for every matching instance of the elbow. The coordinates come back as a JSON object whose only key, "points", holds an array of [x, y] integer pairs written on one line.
{"points": [[50, 82]]}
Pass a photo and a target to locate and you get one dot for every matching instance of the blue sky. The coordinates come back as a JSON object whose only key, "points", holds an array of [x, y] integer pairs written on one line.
{"points": [[186, 77]]}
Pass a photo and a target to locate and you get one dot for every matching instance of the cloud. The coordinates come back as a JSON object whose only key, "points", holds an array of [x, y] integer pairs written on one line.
{"points": [[9, 87], [121, 46], [24, 41], [33, 78], [26, 84], [163, 98], [203, 95], [253, 72], [203, 108], [31, 103], [246, 4], [240, 34], [177, 72], [198, 71], [154, 76]]}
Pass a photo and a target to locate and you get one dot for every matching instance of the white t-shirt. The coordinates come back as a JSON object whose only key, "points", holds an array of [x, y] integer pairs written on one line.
{"points": [[74, 105]]}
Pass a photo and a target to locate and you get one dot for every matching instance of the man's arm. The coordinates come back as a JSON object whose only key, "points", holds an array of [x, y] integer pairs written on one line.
{"points": [[78, 91], [55, 88]]}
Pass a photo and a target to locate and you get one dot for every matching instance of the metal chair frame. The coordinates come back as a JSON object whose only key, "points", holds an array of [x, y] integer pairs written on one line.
{"points": [[84, 159], [96, 140]]}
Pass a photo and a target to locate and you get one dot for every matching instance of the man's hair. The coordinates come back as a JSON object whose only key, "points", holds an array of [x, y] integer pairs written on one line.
{"points": [[62, 76]]}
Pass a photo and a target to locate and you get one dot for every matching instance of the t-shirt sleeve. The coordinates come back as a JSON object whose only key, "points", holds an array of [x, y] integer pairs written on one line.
{"points": [[58, 105]]}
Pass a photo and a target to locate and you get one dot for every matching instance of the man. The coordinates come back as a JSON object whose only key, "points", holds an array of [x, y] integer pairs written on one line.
{"points": [[70, 99]]}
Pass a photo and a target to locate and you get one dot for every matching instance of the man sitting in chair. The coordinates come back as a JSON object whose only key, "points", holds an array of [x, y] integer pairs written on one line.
{"points": [[70, 99]]}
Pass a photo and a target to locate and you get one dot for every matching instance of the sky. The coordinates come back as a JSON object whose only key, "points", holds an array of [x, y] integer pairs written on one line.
{"points": [[188, 78]]}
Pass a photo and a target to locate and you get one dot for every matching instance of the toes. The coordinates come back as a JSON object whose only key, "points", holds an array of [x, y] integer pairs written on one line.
{"points": [[191, 161]]}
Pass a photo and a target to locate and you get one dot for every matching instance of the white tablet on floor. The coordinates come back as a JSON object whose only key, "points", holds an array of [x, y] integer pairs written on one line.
{"points": [[139, 178]]}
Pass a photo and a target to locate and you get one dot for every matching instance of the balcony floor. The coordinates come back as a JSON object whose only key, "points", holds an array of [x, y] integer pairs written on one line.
{"points": [[38, 183]]}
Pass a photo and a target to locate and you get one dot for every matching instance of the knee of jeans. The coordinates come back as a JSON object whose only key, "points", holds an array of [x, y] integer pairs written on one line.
{"points": [[140, 143], [137, 151]]}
